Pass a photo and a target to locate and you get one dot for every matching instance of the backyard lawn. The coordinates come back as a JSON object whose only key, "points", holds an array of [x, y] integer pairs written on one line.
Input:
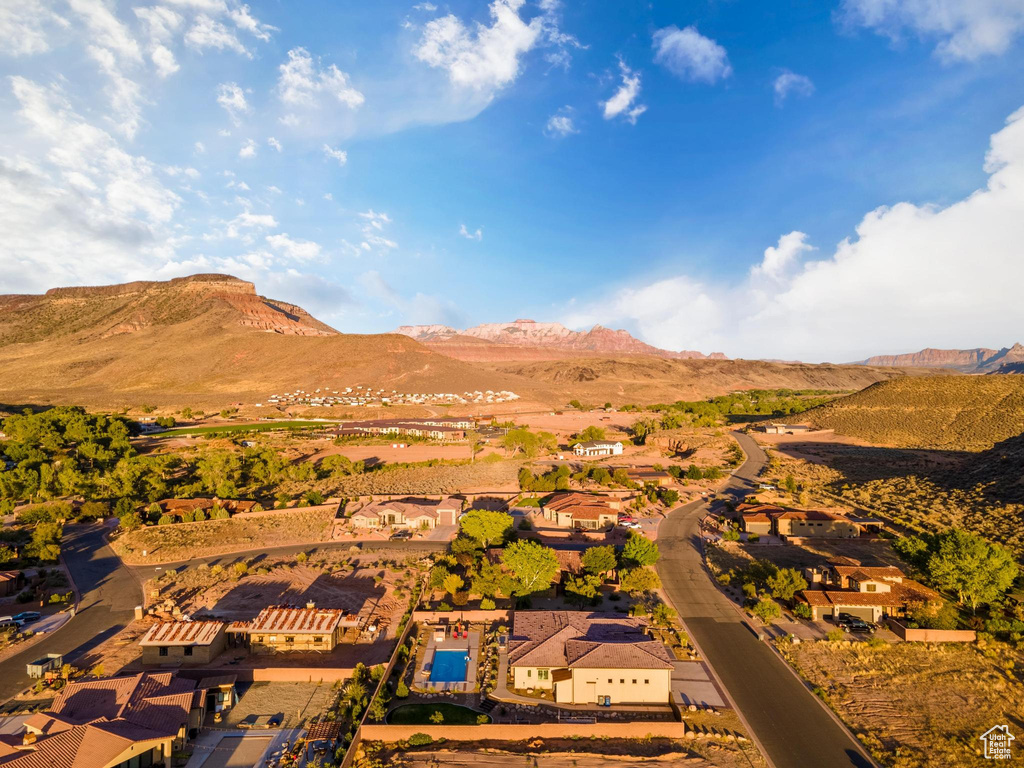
{"points": [[420, 714]]}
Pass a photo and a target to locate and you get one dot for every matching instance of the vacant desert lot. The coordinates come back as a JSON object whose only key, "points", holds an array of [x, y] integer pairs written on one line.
{"points": [[293, 702], [185, 541], [917, 705]]}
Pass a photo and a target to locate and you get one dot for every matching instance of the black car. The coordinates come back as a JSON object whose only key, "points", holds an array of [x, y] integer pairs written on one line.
{"points": [[27, 616], [859, 625]]}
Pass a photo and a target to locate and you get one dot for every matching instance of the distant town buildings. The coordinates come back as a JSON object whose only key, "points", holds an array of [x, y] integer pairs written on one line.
{"points": [[439, 428], [598, 448], [367, 396]]}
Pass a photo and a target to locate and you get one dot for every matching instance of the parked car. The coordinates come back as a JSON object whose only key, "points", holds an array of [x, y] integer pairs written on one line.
{"points": [[859, 625], [765, 487], [26, 616], [626, 519], [401, 535], [10, 622]]}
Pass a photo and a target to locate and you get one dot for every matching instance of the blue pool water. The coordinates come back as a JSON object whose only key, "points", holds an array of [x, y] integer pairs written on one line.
{"points": [[449, 667]]}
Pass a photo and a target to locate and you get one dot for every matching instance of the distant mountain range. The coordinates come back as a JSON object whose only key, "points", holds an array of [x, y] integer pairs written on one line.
{"points": [[530, 340], [980, 360]]}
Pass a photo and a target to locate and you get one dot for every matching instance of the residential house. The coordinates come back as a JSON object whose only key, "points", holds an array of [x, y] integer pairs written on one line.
{"points": [[784, 429], [183, 642], [785, 522], [117, 722], [284, 628], [598, 448], [178, 507], [580, 510], [11, 583], [868, 592], [414, 514], [649, 476], [589, 658]]}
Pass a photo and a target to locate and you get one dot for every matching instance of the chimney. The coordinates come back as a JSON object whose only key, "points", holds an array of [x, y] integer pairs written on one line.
{"points": [[311, 605]]}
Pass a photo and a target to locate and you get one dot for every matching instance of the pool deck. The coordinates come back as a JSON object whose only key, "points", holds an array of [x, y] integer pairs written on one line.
{"points": [[470, 645]]}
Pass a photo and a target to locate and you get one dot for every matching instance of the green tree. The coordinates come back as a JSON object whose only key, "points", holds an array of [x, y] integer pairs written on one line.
{"points": [[597, 561], [590, 433], [490, 580], [642, 428], [786, 583], [452, 583], [767, 610], [639, 580], [976, 570], [533, 566], [790, 484], [488, 527], [45, 542], [581, 590], [639, 551], [6, 554], [693, 472], [130, 522]]}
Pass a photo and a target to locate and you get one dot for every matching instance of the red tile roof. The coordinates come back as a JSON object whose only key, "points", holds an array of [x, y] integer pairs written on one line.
{"points": [[292, 621], [182, 633]]}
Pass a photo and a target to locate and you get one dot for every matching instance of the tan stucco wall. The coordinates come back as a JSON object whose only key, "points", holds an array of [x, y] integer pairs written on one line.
{"points": [[760, 528], [528, 677], [827, 530], [140, 748], [261, 643], [652, 686], [202, 654]]}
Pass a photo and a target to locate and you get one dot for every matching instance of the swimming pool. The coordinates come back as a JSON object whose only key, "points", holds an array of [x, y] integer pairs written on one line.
{"points": [[449, 667]]}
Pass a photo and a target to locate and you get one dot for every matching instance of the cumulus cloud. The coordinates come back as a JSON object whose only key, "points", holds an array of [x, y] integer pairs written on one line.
{"points": [[688, 55], [248, 149], [485, 58], [477, 235], [963, 29], [274, 143], [232, 98], [790, 82], [302, 82], [207, 32], [913, 276], [623, 102], [561, 124], [295, 250], [335, 154]]}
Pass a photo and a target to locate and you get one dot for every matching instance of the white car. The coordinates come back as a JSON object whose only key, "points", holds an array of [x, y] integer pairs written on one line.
{"points": [[765, 487]]}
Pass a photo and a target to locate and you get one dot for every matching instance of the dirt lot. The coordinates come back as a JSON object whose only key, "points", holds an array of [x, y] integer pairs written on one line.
{"points": [[480, 477], [871, 552], [362, 585], [918, 705], [583, 752], [184, 541], [294, 702]]}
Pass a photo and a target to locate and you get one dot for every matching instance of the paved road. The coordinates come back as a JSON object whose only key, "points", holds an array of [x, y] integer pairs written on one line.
{"points": [[109, 596], [788, 721]]}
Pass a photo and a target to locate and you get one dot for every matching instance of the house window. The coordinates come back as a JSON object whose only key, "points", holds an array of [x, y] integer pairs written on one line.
{"points": [[622, 681], [318, 639], [289, 639], [163, 650], [609, 681], [529, 673], [542, 674], [634, 681], [871, 587], [647, 682], [188, 650]]}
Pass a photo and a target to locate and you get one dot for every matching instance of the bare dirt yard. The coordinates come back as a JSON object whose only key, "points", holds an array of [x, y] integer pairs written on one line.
{"points": [[917, 705], [185, 541], [479, 477], [566, 753], [367, 585], [293, 702]]}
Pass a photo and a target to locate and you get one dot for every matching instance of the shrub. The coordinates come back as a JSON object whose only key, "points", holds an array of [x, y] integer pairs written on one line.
{"points": [[766, 610], [487, 604], [165, 520], [802, 611], [444, 607], [420, 740], [835, 635], [402, 691]]}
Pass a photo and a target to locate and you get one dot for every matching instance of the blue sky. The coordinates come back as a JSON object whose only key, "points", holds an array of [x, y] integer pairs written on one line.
{"points": [[798, 180]]}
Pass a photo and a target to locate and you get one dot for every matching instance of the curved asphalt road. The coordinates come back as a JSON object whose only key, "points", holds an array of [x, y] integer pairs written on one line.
{"points": [[787, 720], [109, 595]]}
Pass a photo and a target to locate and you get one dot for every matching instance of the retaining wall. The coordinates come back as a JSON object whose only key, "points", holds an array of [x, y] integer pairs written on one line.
{"points": [[457, 615], [531, 731], [933, 635]]}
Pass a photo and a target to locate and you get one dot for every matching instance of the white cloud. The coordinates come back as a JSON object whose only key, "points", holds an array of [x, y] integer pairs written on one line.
{"points": [[336, 154], [105, 30], [486, 58], [245, 21], [164, 61], [248, 149], [246, 220], [199, 148], [232, 98], [296, 250], [790, 82], [963, 29], [124, 93], [561, 123], [160, 21], [372, 229], [689, 55], [428, 7], [477, 235], [207, 32], [271, 141], [913, 276], [301, 82], [25, 27], [328, 196], [623, 102]]}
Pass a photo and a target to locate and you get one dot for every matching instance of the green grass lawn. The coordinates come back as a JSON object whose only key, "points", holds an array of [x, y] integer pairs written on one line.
{"points": [[263, 426], [419, 714], [529, 501]]}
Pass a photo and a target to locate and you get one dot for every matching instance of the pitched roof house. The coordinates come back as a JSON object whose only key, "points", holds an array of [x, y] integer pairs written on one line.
{"points": [[580, 510], [598, 448], [286, 628], [786, 522], [868, 592], [136, 720], [408, 513], [183, 642], [589, 658]]}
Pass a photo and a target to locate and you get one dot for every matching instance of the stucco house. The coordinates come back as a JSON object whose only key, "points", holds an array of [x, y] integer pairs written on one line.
{"points": [[134, 721], [589, 658], [868, 592], [785, 522], [580, 510], [598, 448], [183, 642], [408, 513]]}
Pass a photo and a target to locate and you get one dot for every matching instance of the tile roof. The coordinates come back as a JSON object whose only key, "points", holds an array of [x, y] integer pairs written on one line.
{"points": [[861, 572], [409, 508], [182, 633], [574, 639], [563, 500], [899, 596]]}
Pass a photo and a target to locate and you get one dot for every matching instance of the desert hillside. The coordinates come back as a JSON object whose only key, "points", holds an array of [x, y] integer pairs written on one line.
{"points": [[980, 360], [652, 380], [948, 412], [208, 340]]}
